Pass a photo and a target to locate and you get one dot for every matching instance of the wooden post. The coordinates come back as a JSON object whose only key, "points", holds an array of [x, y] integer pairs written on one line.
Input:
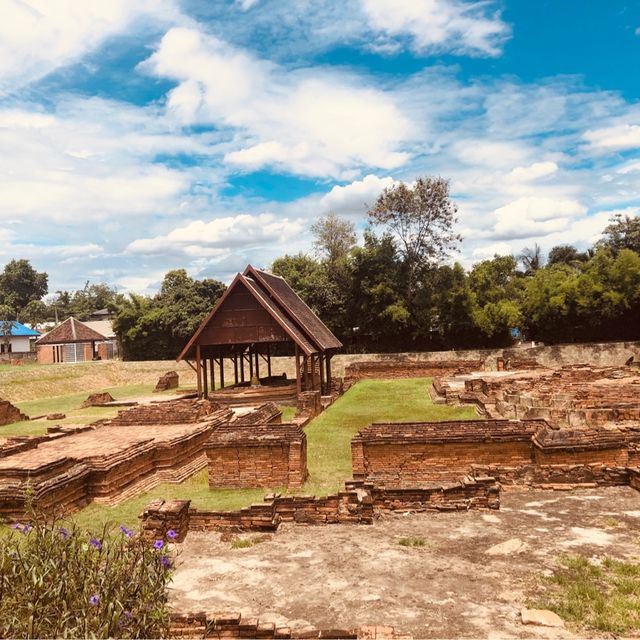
{"points": [[250, 363], [221, 372], [199, 371], [305, 368], [298, 377], [235, 368], [205, 379], [269, 360], [242, 366], [323, 391], [328, 363], [257, 365], [212, 375]]}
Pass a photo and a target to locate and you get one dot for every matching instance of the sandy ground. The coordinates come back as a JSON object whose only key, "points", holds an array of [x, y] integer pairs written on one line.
{"points": [[470, 580]]}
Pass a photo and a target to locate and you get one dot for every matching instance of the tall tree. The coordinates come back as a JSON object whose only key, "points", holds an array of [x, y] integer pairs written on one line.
{"points": [[531, 259], [565, 254], [334, 238], [623, 232], [20, 283]]}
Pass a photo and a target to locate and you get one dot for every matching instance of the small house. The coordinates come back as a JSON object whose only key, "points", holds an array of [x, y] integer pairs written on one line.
{"points": [[72, 341], [15, 338]]}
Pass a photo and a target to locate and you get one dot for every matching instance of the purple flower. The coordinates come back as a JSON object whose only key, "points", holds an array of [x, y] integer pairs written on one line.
{"points": [[166, 563], [26, 528], [16, 525], [171, 534], [126, 532], [94, 600], [64, 532], [95, 543], [158, 544]]}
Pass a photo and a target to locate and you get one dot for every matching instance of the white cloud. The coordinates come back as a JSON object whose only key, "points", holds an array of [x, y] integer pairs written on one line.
{"points": [[354, 198], [493, 249], [532, 172], [309, 121], [618, 137], [245, 5], [216, 238], [440, 25], [38, 36]]}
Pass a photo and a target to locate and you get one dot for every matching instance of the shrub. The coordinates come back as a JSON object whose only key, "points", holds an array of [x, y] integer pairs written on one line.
{"points": [[57, 580], [412, 541]]}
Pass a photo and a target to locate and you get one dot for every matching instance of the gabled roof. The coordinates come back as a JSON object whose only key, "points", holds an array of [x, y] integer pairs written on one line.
{"points": [[277, 298], [103, 327], [291, 302], [17, 329], [71, 330]]}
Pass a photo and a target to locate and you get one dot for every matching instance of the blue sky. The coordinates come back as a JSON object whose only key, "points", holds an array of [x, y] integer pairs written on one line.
{"points": [[140, 137]]}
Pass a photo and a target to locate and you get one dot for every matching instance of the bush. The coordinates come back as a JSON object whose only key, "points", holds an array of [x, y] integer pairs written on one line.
{"points": [[58, 580]]}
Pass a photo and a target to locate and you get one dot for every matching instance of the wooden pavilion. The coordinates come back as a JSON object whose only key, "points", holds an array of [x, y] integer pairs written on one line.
{"points": [[258, 314]]}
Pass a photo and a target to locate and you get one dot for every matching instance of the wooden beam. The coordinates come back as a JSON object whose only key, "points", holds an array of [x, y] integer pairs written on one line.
{"points": [[212, 373], [328, 363], [199, 370], [242, 366], [205, 381], [298, 376], [221, 372], [269, 360], [250, 363], [235, 368], [323, 391], [257, 366]]}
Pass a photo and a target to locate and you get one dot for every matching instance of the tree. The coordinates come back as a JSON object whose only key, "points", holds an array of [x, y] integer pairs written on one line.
{"points": [[531, 259], [421, 218], [34, 313], [565, 254], [20, 283], [334, 238], [6, 325], [623, 232]]}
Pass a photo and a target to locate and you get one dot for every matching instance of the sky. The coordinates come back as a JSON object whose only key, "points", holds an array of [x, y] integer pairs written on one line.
{"points": [[139, 137]]}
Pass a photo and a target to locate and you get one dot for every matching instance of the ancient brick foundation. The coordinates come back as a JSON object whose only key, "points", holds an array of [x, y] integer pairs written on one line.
{"points": [[169, 380], [401, 368], [109, 463], [234, 626], [575, 396], [271, 455], [10, 414], [97, 400], [512, 452], [267, 413], [160, 517], [356, 505]]}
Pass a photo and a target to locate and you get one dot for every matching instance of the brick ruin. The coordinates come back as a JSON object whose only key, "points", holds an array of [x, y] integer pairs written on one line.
{"points": [[169, 380], [258, 455], [111, 462], [403, 368], [10, 414], [513, 452], [267, 413]]}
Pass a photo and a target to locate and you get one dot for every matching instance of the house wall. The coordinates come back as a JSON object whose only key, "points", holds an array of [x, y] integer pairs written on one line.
{"points": [[19, 344]]}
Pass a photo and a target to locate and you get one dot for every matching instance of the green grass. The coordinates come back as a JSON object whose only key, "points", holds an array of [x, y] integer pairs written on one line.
{"points": [[603, 596], [329, 435], [412, 541], [70, 406], [288, 413]]}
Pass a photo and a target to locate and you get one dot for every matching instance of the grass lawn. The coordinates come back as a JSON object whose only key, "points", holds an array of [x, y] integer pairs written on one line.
{"points": [[328, 449], [603, 595]]}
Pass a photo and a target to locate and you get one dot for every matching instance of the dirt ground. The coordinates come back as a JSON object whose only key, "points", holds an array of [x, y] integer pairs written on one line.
{"points": [[470, 580]]}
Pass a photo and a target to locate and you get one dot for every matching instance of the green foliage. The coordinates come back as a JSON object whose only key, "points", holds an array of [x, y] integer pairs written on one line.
{"points": [[623, 232], [59, 581], [603, 596], [157, 328], [20, 283]]}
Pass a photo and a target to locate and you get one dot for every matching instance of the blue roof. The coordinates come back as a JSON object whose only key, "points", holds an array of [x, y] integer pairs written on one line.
{"points": [[17, 329]]}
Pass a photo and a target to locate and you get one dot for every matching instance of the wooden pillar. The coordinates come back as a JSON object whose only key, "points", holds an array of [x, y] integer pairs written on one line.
{"points": [[269, 360], [305, 368], [257, 365], [221, 372], [298, 376], [212, 373], [323, 391], [328, 377], [199, 371], [205, 379], [250, 363], [242, 366], [235, 368]]}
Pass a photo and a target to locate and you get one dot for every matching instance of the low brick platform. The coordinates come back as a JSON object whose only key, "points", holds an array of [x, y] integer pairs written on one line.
{"points": [[168, 412], [400, 368], [10, 414], [107, 464], [170, 380], [528, 452], [271, 455]]}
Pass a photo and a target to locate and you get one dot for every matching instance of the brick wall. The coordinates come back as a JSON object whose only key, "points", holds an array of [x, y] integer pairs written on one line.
{"points": [[402, 368], [44, 354], [271, 455], [10, 414]]}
